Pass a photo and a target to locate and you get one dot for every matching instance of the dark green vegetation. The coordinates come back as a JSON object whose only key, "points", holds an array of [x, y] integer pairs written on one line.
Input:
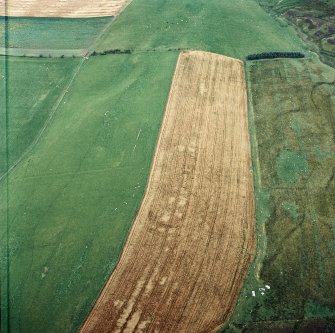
{"points": [[292, 326], [314, 19], [51, 33], [33, 88], [284, 5], [292, 123], [112, 51], [74, 197], [274, 55], [226, 27]]}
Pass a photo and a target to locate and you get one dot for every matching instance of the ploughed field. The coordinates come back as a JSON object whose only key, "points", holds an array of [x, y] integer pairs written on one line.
{"points": [[193, 239], [59, 8]]}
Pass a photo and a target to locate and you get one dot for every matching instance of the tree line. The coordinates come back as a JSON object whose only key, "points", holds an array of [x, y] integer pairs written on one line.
{"points": [[114, 51], [273, 55]]}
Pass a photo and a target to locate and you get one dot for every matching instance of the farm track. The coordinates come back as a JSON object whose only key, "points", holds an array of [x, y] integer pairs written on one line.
{"points": [[191, 244], [58, 8]]}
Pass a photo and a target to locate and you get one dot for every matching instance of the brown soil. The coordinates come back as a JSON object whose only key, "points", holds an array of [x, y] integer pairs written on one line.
{"points": [[61, 8], [192, 242]]}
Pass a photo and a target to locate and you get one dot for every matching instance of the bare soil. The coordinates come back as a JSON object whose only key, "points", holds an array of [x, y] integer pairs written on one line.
{"points": [[191, 244], [61, 8]]}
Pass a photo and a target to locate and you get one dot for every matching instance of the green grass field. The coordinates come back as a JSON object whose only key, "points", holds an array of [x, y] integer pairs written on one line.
{"points": [[293, 131], [234, 28], [51, 33], [73, 198], [33, 88]]}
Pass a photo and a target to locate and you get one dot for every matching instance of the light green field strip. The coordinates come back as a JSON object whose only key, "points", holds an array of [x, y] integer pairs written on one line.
{"points": [[42, 53], [292, 129], [234, 28], [51, 33], [74, 197]]}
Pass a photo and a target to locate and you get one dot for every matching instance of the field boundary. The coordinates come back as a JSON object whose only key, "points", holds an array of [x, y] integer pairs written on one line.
{"points": [[41, 53], [260, 226]]}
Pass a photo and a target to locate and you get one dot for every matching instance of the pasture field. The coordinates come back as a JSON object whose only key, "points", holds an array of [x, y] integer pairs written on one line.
{"points": [[50, 33], [234, 28], [72, 200], [293, 134], [193, 239], [59, 8], [33, 87]]}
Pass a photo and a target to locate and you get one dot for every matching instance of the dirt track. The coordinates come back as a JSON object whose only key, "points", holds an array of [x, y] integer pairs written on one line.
{"points": [[193, 239], [61, 8]]}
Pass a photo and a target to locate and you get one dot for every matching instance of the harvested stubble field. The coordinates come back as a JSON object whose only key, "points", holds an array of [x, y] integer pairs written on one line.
{"points": [[59, 8], [193, 239]]}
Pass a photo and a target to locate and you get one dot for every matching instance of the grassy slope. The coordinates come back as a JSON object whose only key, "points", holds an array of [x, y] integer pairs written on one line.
{"points": [[294, 133], [51, 33], [33, 88], [73, 199], [234, 28]]}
